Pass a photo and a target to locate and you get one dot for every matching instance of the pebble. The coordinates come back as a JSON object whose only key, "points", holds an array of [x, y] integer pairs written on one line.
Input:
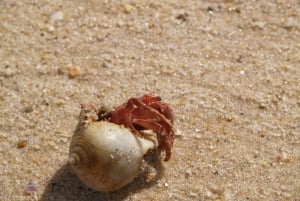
{"points": [[8, 71], [188, 172], [183, 17], [74, 71], [128, 8], [193, 194], [290, 23], [3, 135], [258, 24], [104, 65], [283, 157], [36, 147], [30, 188], [53, 145], [265, 164], [21, 144], [28, 109], [57, 16], [60, 71], [262, 105]]}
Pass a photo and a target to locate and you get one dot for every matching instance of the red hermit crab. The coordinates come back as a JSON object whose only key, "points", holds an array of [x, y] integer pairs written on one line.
{"points": [[147, 112], [108, 146]]}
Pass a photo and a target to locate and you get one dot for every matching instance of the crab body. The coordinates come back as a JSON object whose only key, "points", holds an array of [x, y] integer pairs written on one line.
{"points": [[147, 112]]}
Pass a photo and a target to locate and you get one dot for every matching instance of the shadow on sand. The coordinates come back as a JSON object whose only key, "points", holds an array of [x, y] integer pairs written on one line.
{"points": [[65, 185]]}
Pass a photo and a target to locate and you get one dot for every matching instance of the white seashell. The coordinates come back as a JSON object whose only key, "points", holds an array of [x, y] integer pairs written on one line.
{"points": [[106, 156]]}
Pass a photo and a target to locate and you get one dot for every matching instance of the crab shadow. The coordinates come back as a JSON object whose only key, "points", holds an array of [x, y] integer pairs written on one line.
{"points": [[65, 185]]}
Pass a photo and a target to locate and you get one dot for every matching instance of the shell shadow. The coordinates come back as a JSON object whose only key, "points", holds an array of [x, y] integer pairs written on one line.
{"points": [[65, 185]]}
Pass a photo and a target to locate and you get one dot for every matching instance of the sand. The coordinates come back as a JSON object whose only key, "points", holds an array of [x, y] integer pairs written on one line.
{"points": [[230, 70]]}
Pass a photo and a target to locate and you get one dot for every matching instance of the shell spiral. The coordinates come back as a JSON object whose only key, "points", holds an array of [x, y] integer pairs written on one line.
{"points": [[106, 156]]}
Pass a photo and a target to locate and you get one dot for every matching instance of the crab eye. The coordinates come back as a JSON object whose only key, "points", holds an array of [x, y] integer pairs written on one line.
{"points": [[159, 98]]}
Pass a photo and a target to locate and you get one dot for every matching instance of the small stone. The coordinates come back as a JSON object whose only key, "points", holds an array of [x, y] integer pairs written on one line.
{"points": [[30, 188], [159, 185], [45, 58], [283, 157], [183, 17], [36, 147], [44, 102], [61, 102], [210, 9], [151, 175], [50, 28], [53, 145], [60, 71], [57, 16], [120, 23], [3, 135], [28, 109], [228, 118], [264, 164], [8, 71], [258, 24], [21, 144], [290, 23], [188, 172], [262, 105], [128, 8], [193, 194], [104, 65], [74, 71]]}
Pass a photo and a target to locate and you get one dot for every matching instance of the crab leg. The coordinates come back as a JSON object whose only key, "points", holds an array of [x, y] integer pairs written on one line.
{"points": [[164, 109], [165, 137], [152, 119]]}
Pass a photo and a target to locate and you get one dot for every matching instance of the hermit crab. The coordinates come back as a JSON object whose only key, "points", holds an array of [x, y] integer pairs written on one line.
{"points": [[108, 146]]}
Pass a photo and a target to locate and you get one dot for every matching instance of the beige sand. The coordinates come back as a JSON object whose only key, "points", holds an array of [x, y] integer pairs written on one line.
{"points": [[230, 69]]}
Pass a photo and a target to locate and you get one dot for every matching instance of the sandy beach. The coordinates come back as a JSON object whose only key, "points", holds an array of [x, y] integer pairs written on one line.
{"points": [[230, 70]]}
